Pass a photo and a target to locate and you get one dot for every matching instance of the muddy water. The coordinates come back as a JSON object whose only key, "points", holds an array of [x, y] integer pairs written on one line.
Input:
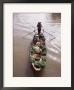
{"points": [[25, 24]]}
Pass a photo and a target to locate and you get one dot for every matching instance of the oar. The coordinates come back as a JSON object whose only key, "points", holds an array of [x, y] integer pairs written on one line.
{"points": [[51, 35], [30, 33]]}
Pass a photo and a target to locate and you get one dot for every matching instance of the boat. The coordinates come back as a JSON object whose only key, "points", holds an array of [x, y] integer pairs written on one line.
{"points": [[38, 52]]}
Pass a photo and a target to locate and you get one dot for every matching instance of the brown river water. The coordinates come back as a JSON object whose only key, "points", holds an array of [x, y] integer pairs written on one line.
{"points": [[23, 25]]}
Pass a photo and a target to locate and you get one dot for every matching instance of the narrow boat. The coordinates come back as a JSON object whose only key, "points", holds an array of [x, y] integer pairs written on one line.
{"points": [[38, 52]]}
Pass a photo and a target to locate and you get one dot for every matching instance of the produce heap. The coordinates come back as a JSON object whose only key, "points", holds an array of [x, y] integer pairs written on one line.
{"points": [[38, 51]]}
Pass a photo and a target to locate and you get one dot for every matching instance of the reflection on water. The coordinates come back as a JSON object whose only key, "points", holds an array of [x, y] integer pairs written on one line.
{"points": [[25, 24]]}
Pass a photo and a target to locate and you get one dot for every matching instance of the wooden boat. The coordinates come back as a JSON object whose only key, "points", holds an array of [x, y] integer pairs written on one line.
{"points": [[38, 52]]}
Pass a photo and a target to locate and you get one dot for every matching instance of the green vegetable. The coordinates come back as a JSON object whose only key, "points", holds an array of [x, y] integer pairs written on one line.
{"points": [[42, 62]]}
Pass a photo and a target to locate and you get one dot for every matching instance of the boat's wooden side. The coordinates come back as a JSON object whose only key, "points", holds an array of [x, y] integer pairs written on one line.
{"points": [[38, 52]]}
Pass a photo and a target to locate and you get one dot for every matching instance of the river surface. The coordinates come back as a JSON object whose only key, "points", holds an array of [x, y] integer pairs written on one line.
{"points": [[23, 25]]}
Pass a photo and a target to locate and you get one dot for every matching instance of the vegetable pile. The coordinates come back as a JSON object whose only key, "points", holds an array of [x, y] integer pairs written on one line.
{"points": [[38, 51]]}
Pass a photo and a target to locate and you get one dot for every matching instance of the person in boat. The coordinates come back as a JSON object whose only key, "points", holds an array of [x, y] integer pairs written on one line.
{"points": [[39, 27]]}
